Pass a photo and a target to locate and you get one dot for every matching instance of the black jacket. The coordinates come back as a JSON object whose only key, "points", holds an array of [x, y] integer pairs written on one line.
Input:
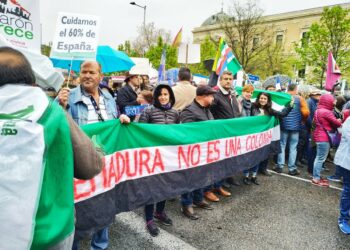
{"points": [[224, 106], [159, 116], [126, 97], [195, 113], [156, 113]]}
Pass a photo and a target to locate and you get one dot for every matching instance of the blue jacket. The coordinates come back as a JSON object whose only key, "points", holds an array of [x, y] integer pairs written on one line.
{"points": [[292, 122], [312, 104], [79, 111]]}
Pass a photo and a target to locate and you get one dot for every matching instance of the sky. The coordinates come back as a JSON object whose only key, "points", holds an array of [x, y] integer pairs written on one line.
{"points": [[119, 19]]}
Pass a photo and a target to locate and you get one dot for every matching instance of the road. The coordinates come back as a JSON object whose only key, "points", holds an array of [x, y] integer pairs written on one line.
{"points": [[281, 213]]}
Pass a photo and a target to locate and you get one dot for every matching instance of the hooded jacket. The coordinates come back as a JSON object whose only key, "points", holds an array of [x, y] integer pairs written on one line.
{"points": [[158, 114], [324, 118]]}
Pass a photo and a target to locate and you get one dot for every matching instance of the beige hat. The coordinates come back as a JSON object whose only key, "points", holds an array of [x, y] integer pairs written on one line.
{"points": [[315, 92]]}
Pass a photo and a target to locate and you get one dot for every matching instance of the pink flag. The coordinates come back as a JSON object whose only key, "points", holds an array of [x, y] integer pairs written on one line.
{"points": [[333, 72]]}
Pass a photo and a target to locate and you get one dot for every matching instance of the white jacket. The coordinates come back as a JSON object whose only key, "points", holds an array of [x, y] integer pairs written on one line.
{"points": [[342, 157]]}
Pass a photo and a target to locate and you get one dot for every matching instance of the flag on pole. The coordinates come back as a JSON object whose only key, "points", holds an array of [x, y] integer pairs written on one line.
{"points": [[333, 72], [161, 69], [225, 59], [278, 83], [177, 39]]}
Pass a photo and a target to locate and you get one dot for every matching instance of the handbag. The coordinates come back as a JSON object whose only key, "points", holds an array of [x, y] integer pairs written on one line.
{"points": [[333, 137]]}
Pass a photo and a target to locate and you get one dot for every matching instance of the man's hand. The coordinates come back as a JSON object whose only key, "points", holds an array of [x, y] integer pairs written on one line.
{"points": [[63, 97], [124, 119]]}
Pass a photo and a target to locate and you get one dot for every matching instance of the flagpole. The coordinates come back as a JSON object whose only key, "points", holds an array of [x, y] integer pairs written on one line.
{"points": [[70, 69]]}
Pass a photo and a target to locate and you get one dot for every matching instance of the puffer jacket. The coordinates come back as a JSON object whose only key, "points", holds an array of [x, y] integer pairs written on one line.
{"points": [[324, 118], [157, 114]]}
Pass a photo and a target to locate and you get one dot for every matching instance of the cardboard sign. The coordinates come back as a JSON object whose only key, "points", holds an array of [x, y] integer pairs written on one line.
{"points": [[189, 53], [20, 23], [76, 36]]}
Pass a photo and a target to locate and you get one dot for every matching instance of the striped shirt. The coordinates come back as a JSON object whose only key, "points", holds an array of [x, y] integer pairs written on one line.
{"points": [[92, 114]]}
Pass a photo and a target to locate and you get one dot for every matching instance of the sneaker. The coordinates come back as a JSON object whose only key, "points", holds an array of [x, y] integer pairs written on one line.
{"points": [[277, 170], [254, 180], [163, 218], [246, 181], [320, 183], [334, 178], [344, 227], [152, 228], [294, 172]]}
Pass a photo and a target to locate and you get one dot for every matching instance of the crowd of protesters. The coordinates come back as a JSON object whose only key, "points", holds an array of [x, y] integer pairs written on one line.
{"points": [[305, 127]]}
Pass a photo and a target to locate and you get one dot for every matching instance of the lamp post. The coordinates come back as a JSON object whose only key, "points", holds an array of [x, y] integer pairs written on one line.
{"points": [[144, 12]]}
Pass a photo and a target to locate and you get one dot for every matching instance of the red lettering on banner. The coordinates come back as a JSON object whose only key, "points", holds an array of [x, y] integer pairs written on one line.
{"points": [[158, 162], [91, 190], [233, 147], [213, 153], [111, 173], [128, 167], [181, 155], [189, 158], [193, 149], [104, 172], [144, 157], [120, 160]]}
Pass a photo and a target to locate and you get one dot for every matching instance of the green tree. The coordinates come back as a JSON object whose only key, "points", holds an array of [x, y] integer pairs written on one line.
{"points": [[331, 33], [126, 47], [154, 54], [273, 60], [245, 33]]}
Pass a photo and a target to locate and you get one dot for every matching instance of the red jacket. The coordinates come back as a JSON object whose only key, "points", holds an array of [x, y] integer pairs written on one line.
{"points": [[324, 116]]}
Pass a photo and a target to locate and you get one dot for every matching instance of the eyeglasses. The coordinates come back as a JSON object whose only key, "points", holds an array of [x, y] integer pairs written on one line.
{"points": [[227, 79]]}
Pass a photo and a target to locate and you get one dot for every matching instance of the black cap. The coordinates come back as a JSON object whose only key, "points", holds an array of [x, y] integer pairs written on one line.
{"points": [[205, 90]]}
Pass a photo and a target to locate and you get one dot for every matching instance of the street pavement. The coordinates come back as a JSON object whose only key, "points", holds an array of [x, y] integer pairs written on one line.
{"points": [[281, 213]]}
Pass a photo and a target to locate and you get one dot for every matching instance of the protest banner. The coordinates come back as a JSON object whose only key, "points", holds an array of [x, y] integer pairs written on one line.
{"points": [[76, 37], [148, 163], [189, 53], [20, 23], [135, 110]]}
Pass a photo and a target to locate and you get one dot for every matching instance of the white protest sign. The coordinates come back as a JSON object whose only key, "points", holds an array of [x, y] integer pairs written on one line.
{"points": [[20, 23], [189, 53], [76, 36]]}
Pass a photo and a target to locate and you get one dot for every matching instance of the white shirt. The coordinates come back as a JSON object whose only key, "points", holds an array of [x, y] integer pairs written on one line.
{"points": [[92, 115]]}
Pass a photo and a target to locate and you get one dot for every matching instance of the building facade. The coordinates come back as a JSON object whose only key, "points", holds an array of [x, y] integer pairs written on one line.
{"points": [[287, 28]]}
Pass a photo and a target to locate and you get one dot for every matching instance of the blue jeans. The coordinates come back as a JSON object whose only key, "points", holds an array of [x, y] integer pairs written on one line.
{"points": [[99, 240], [187, 199], [345, 196], [322, 150], [216, 185], [293, 143], [254, 171]]}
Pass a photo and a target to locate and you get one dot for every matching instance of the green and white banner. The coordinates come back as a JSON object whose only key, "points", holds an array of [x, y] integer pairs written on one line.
{"points": [[147, 163]]}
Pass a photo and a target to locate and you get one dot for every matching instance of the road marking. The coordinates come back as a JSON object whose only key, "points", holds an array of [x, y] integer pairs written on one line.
{"points": [[301, 179]]}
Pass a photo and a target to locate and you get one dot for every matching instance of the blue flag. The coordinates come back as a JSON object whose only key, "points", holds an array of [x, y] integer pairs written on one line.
{"points": [[161, 69]]}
